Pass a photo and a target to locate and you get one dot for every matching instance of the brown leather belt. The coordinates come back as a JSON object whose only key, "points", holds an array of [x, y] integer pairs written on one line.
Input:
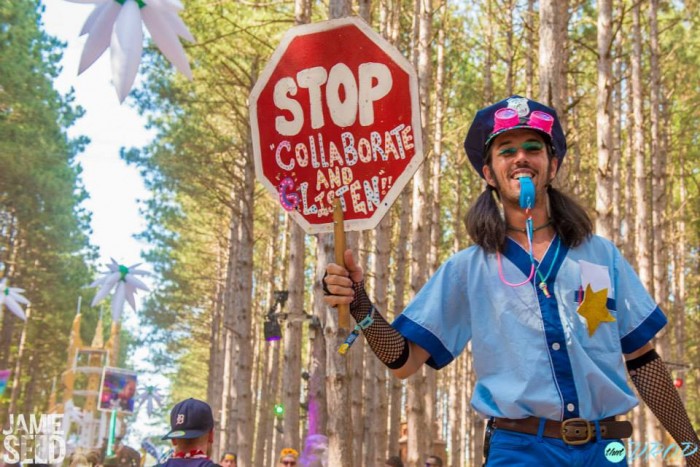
{"points": [[573, 431]]}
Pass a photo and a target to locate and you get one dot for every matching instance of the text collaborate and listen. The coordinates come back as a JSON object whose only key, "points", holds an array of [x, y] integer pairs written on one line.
{"points": [[334, 168]]}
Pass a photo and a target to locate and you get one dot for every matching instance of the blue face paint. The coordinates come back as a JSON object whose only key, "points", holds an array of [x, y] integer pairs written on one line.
{"points": [[527, 193]]}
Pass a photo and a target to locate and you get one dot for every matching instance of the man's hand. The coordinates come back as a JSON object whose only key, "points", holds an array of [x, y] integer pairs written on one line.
{"points": [[338, 281]]}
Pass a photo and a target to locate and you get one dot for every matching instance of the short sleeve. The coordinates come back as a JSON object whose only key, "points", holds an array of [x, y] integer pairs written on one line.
{"points": [[438, 318], [639, 317]]}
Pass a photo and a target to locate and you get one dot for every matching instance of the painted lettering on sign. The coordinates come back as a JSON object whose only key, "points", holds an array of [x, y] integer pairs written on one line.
{"points": [[336, 122], [337, 90]]}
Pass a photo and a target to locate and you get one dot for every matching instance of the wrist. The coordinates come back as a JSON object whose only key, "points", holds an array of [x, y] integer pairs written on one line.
{"points": [[361, 305]]}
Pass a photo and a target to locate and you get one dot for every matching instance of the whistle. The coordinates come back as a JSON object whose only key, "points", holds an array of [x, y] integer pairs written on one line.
{"points": [[527, 193]]}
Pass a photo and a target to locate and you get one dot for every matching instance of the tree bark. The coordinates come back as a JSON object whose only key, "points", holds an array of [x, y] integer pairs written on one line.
{"points": [[243, 324], [604, 122], [291, 370], [420, 426], [529, 47]]}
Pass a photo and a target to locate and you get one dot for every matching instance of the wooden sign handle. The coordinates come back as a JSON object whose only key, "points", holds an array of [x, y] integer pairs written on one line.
{"points": [[339, 238]]}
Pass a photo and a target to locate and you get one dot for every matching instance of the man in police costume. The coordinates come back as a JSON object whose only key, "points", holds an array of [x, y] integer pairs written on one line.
{"points": [[550, 308]]}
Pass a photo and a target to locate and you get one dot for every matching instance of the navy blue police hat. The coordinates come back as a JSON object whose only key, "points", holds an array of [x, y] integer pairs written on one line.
{"points": [[510, 114], [190, 419]]}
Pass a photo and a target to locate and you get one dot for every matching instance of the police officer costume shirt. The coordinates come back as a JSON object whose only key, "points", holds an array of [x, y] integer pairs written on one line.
{"points": [[555, 357], [550, 351]]}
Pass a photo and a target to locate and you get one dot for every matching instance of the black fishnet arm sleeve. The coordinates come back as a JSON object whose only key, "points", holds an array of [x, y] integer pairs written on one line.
{"points": [[386, 342], [654, 385]]}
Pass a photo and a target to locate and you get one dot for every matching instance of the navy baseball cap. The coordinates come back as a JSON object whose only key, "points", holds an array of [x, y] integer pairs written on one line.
{"points": [[190, 419], [510, 114]]}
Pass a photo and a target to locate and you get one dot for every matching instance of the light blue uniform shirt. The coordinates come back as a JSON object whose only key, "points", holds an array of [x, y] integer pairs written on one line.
{"points": [[533, 355]]}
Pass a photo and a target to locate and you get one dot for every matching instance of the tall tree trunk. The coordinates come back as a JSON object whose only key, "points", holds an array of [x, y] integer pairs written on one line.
{"points": [[456, 413], [616, 154], [227, 440], [641, 228], [419, 416], [266, 433], [243, 325], [291, 370], [604, 122], [264, 363], [640, 172], [529, 47], [510, 48], [17, 373], [680, 270], [402, 262], [359, 376], [317, 401], [8, 319], [364, 8], [377, 411], [216, 355], [337, 378], [488, 18], [435, 230], [660, 231], [630, 202], [550, 54], [477, 421], [554, 18]]}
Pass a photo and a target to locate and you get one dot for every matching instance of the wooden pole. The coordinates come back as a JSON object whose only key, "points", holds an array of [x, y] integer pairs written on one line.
{"points": [[339, 238]]}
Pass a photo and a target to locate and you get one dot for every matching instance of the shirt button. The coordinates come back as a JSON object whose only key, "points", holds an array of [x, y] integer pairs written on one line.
{"points": [[555, 346], [570, 407]]}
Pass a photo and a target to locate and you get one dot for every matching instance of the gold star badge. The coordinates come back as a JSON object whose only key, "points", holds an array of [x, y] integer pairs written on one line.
{"points": [[594, 308]]}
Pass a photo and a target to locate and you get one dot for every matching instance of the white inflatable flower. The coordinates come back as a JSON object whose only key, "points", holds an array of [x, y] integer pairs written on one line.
{"points": [[11, 297], [117, 23], [125, 284], [151, 396]]}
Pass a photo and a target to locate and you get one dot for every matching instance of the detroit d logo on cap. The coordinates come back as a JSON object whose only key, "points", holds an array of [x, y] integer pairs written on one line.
{"points": [[180, 419]]}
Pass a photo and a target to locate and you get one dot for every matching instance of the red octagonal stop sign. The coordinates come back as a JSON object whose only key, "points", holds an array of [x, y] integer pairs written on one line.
{"points": [[335, 114]]}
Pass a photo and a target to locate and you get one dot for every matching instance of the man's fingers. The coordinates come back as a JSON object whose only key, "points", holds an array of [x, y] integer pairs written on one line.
{"points": [[335, 300], [340, 290], [350, 263], [337, 270]]}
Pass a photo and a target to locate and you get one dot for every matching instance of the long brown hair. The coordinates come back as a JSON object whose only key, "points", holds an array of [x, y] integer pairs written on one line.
{"points": [[487, 227]]}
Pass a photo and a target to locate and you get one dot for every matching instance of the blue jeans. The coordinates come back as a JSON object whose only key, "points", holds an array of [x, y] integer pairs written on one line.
{"points": [[512, 449]]}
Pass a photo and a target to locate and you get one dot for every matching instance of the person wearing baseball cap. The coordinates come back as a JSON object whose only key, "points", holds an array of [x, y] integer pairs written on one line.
{"points": [[192, 434], [550, 309]]}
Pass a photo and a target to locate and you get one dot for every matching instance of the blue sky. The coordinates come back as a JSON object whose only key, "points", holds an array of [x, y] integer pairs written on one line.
{"points": [[114, 188]]}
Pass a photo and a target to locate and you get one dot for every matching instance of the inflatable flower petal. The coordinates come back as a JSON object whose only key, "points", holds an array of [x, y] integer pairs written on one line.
{"points": [[12, 297], [150, 395], [99, 26], [166, 39], [126, 46], [125, 284], [117, 24]]}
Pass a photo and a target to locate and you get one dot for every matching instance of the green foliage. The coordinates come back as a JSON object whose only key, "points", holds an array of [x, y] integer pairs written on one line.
{"points": [[43, 229]]}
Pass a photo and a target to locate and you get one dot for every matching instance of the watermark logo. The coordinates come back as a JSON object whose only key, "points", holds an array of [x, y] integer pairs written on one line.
{"points": [[615, 452], [655, 449], [34, 439]]}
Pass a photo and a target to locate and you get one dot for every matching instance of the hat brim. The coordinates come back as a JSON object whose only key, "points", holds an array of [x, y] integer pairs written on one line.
{"points": [[185, 434], [547, 137], [478, 155]]}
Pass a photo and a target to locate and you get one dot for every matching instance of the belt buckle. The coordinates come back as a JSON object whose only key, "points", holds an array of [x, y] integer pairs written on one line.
{"points": [[576, 421]]}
